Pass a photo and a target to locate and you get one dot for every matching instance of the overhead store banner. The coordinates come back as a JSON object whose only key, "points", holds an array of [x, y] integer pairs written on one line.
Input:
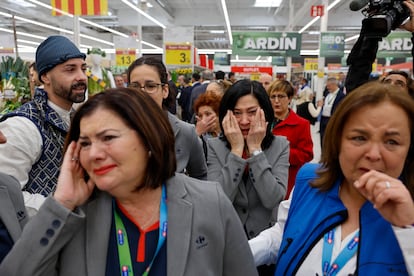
{"points": [[266, 44], [80, 7], [252, 70], [332, 44], [396, 44]]}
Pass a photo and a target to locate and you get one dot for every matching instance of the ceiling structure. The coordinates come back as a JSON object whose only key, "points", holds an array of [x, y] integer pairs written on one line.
{"points": [[206, 16]]}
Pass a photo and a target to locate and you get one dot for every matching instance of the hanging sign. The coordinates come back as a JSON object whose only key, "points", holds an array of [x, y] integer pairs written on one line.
{"points": [[332, 44], [124, 57], [396, 44], [317, 10], [178, 54], [266, 44], [311, 64]]}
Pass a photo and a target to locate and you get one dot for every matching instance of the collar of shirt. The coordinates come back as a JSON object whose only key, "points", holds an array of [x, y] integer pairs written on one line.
{"points": [[63, 113]]}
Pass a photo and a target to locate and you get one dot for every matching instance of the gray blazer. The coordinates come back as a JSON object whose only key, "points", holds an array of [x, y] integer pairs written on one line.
{"points": [[188, 149], [257, 197], [59, 242], [13, 213]]}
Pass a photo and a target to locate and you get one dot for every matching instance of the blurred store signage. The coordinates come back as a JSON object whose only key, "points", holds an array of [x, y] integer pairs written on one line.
{"points": [[266, 44], [332, 44], [221, 58], [80, 7], [396, 44], [317, 10]]}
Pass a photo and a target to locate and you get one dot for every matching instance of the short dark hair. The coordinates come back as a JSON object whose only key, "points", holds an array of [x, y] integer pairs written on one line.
{"points": [[368, 94], [196, 76], [142, 114], [220, 75], [231, 74], [243, 88], [162, 73]]}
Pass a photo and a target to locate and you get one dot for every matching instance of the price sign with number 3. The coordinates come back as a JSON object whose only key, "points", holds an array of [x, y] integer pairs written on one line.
{"points": [[177, 54]]}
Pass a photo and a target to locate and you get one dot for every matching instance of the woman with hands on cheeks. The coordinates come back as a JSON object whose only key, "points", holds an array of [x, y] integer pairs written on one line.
{"points": [[247, 159], [353, 214], [120, 208]]}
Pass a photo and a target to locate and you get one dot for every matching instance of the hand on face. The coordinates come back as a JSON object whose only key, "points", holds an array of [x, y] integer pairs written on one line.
{"points": [[409, 26], [257, 131], [72, 190], [233, 133], [207, 124], [389, 196], [3, 138]]}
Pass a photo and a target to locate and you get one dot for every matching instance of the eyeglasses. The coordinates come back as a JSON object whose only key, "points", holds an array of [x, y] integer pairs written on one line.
{"points": [[148, 87], [278, 96]]}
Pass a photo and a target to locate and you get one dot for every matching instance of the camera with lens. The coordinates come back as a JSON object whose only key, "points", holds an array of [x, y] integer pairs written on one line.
{"points": [[381, 16]]}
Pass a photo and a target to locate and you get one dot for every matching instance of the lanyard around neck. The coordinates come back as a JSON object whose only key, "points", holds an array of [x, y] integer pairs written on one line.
{"points": [[124, 253], [332, 268]]}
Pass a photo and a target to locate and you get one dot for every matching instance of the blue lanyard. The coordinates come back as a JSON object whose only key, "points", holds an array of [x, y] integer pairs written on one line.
{"points": [[125, 261], [344, 256]]}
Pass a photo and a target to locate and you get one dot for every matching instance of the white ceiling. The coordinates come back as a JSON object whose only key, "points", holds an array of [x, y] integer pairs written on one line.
{"points": [[203, 15]]}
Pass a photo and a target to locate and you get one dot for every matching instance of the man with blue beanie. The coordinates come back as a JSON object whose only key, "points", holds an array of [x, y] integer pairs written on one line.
{"points": [[36, 131]]}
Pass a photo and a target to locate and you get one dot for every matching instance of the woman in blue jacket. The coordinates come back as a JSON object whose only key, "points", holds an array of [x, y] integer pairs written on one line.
{"points": [[353, 213]]}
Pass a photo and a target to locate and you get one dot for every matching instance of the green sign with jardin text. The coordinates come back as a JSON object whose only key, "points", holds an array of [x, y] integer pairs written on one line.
{"points": [[396, 45], [266, 44]]}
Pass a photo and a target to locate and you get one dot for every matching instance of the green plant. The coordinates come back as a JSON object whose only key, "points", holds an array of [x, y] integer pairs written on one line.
{"points": [[14, 76]]}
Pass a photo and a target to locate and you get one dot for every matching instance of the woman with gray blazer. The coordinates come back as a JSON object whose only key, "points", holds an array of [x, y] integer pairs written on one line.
{"points": [[248, 161], [121, 209]]}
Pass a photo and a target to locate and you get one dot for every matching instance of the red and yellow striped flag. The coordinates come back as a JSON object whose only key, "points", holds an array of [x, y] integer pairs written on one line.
{"points": [[80, 7]]}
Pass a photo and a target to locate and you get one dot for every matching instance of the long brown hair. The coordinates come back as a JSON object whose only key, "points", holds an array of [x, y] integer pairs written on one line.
{"points": [[369, 94]]}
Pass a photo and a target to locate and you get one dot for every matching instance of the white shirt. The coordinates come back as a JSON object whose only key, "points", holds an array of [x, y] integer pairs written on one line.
{"points": [[22, 149], [328, 103], [265, 247]]}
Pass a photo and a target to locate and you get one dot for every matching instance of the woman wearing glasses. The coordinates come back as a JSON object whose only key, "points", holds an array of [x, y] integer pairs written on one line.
{"points": [[248, 160], [296, 129], [149, 75]]}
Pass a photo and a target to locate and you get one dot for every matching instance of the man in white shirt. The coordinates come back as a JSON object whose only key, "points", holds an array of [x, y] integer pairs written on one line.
{"points": [[36, 131], [331, 101]]}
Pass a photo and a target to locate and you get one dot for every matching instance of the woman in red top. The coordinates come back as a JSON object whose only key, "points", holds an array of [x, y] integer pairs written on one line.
{"points": [[295, 128]]}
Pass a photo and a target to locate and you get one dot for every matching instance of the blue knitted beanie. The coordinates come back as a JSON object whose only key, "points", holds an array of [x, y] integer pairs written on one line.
{"points": [[55, 50]]}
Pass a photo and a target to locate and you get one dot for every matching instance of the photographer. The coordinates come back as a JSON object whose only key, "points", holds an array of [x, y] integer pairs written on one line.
{"points": [[364, 52]]}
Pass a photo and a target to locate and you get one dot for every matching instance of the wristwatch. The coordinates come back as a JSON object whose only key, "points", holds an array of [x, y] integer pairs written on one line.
{"points": [[256, 152]]}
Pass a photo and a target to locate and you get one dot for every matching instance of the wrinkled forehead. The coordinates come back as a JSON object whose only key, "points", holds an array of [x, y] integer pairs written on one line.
{"points": [[396, 77]]}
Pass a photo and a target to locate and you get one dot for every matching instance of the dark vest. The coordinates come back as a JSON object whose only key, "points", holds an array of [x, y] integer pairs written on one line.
{"points": [[303, 111], [44, 173]]}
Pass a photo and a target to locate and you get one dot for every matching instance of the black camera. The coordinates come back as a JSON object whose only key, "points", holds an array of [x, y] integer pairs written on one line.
{"points": [[381, 16]]}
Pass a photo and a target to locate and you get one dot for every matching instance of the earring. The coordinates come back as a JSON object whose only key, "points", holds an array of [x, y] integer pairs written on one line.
{"points": [[149, 154]]}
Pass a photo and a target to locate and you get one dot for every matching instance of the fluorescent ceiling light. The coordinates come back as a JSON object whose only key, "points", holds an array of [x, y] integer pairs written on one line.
{"points": [[132, 6], [226, 18], [22, 3], [217, 32], [331, 6], [267, 3]]}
